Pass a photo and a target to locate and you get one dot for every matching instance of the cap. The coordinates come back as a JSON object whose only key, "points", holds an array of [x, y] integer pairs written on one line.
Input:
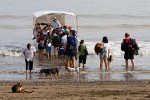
{"points": [[54, 18], [73, 32], [69, 27]]}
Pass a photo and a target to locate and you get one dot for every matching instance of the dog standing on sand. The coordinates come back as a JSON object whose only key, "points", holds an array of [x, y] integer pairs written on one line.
{"points": [[17, 88], [54, 71]]}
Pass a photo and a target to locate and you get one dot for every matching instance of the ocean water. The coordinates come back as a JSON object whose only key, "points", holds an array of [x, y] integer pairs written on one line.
{"points": [[96, 19]]}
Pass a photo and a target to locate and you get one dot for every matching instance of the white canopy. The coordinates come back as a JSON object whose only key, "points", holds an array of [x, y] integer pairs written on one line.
{"points": [[65, 18]]}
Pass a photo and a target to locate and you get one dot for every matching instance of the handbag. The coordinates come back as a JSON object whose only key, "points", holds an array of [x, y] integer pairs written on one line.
{"points": [[110, 59], [86, 51]]}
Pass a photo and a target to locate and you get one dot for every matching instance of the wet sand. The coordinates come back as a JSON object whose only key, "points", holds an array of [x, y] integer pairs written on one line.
{"points": [[78, 90]]}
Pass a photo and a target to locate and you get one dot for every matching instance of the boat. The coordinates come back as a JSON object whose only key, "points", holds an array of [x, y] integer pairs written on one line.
{"points": [[45, 17], [65, 18]]}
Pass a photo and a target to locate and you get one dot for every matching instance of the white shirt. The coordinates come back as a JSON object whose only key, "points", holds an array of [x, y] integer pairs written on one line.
{"points": [[64, 39], [29, 54], [56, 24], [107, 46]]}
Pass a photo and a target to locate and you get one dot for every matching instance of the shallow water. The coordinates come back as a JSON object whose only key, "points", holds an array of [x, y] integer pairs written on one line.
{"points": [[15, 70], [96, 19]]}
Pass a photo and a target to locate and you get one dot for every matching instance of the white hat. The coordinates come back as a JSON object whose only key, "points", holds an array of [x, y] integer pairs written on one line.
{"points": [[54, 18]]}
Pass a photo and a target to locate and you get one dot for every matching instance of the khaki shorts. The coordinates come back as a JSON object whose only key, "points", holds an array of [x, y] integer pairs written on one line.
{"points": [[54, 50]]}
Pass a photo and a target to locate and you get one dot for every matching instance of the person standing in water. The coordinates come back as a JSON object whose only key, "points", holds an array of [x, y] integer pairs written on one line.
{"points": [[129, 46], [29, 54], [105, 53], [82, 54]]}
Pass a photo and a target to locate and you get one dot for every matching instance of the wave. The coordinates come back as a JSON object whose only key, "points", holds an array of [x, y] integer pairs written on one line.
{"points": [[15, 26], [115, 26], [82, 26], [113, 16], [116, 51], [10, 50], [13, 17]]}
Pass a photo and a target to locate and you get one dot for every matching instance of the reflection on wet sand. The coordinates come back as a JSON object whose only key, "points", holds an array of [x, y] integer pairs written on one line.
{"points": [[105, 76]]}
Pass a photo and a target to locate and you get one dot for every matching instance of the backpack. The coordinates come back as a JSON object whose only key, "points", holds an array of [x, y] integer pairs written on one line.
{"points": [[86, 51], [71, 46], [55, 41], [41, 44], [130, 46]]}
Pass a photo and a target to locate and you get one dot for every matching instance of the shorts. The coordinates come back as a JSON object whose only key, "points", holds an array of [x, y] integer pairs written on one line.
{"points": [[103, 54], [40, 48], [129, 55], [70, 57], [82, 59], [29, 65], [54, 50], [48, 49]]}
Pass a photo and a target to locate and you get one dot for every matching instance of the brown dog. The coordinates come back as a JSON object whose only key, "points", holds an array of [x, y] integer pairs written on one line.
{"points": [[17, 88]]}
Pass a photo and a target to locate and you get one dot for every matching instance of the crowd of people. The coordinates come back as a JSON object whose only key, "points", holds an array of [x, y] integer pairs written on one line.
{"points": [[60, 42]]}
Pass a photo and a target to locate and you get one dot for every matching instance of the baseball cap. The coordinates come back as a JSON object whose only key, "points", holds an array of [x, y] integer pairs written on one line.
{"points": [[70, 27]]}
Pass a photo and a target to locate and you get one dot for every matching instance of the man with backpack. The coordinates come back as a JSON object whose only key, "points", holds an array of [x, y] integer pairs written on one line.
{"points": [[55, 44], [71, 49], [130, 47]]}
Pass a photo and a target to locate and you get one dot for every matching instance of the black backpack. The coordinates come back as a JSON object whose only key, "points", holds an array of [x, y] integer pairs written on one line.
{"points": [[55, 41], [130, 46]]}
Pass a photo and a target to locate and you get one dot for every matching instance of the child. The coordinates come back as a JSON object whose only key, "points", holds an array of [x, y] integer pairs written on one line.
{"points": [[48, 48], [61, 50], [61, 54], [82, 54]]}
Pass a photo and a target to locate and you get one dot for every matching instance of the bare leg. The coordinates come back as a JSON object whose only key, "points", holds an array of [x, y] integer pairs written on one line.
{"points": [[67, 63], [30, 74], [80, 65], [132, 61], [83, 66], [50, 56], [106, 63], [101, 63], [126, 61], [26, 74], [42, 53]]}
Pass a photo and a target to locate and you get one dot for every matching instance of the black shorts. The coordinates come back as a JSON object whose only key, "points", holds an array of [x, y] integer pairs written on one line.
{"points": [[40, 48], [29, 65], [82, 59], [129, 55]]}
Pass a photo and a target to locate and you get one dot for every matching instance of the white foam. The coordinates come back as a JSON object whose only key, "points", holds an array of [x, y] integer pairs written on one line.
{"points": [[115, 47]]}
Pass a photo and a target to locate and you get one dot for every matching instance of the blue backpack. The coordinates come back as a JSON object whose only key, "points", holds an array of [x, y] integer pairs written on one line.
{"points": [[71, 46]]}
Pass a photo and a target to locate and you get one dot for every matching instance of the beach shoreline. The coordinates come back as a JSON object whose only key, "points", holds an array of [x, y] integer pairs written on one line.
{"points": [[78, 90]]}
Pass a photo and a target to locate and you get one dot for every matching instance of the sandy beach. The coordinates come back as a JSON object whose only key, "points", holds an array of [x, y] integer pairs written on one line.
{"points": [[78, 90], [96, 19]]}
